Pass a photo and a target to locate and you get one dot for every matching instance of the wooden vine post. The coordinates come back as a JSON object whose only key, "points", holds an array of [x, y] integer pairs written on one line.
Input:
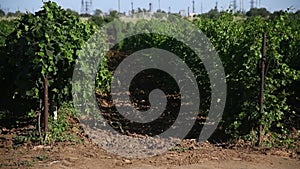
{"points": [[46, 106], [262, 67]]}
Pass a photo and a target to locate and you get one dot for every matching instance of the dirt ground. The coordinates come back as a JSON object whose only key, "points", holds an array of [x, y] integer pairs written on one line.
{"points": [[188, 155]]}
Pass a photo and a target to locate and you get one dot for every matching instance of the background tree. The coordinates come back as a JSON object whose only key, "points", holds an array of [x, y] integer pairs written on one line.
{"points": [[98, 12], [97, 20], [213, 13], [72, 11], [14, 14], [258, 12], [2, 13]]}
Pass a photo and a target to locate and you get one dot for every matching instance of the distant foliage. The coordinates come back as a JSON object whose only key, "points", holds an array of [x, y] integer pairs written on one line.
{"points": [[2, 13], [258, 12]]}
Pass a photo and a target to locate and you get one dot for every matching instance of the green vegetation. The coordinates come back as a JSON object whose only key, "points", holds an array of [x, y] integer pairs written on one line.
{"points": [[239, 45], [42, 47], [45, 45]]}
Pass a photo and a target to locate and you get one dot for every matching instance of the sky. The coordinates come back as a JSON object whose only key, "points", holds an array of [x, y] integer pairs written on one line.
{"points": [[125, 5]]}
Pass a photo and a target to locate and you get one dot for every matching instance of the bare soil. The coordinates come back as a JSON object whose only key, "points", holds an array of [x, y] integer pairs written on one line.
{"points": [[187, 155]]}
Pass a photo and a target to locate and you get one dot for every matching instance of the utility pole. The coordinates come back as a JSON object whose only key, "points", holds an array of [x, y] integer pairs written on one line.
{"points": [[132, 11], [216, 7], [193, 6], [82, 6], [159, 5], [119, 6], [201, 7], [234, 5], [240, 5], [86, 6], [91, 6], [251, 4], [243, 9], [150, 7]]}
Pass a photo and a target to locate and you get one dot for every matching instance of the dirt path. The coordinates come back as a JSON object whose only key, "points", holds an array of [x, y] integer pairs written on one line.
{"points": [[188, 155], [269, 162], [272, 163]]}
